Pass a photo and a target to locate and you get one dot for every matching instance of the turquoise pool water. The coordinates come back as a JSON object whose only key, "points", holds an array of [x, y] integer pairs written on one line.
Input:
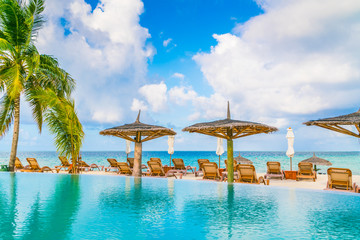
{"points": [[339, 159], [53, 206]]}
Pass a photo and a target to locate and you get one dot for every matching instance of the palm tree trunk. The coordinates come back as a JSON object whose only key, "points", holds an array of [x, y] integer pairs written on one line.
{"points": [[15, 134]]}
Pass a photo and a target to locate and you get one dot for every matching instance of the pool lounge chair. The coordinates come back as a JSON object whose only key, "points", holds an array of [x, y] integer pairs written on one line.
{"points": [[200, 162], [157, 160], [64, 163], [124, 168], [180, 166], [130, 161], [340, 179], [19, 165], [247, 174], [305, 171], [83, 166], [155, 169], [274, 170], [35, 167], [235, 163], [210, 170], [113, 165]]}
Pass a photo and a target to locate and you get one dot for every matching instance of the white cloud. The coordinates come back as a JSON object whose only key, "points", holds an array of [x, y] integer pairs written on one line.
{"points": [[104, 49], [166, 42], [181, 95], [178, 75], [138, 105], [106, 116], [155, 95], [299, 57]]}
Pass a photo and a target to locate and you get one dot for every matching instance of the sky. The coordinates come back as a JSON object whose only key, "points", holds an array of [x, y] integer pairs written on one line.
{"points": [[278, 62]]}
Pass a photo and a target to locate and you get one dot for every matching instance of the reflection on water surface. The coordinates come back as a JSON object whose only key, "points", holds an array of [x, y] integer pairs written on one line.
{"points": [[54, 206]]}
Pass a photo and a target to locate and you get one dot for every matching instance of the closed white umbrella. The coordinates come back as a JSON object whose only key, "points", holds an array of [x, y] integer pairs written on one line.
{"points": [[171, 140], [290, 151], [128, 148], [220, 148]]}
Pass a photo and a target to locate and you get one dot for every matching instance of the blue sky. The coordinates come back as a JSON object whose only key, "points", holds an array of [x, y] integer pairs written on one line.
{"points": [[278, 62]]}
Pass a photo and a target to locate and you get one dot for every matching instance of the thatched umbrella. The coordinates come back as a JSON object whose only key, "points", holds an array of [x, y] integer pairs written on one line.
{"points": [[230, 129], [241, 160], [138, 132], [334, 123], [317, 161]]}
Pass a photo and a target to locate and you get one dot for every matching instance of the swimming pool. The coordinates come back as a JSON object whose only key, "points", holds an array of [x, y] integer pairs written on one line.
{"points": [[55, 206]]}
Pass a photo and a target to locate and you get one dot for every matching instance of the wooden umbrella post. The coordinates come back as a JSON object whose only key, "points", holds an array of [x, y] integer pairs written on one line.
{"points": [[170, 160], [290, 163], [219, 161], [137, 156], [230, 159]]}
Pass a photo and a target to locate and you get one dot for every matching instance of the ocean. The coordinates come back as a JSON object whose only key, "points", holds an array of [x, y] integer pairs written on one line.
{"points": [[349, 160]]}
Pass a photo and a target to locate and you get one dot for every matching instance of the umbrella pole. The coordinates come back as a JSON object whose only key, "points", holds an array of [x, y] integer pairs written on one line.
{"points": [[230, 161], [170, 160], [219, 161], [137, 156], [290, 163]]}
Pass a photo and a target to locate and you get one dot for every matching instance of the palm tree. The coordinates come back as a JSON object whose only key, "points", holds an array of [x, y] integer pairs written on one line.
{"points": [[22, 68], [62, 120]]}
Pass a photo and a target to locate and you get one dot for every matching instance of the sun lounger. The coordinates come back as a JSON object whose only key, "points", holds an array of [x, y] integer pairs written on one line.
{"points": [[64, 163], [180, 166], [124, 168], [86, 167], [113, 165], [340, 178], [156, 169], [156, 160], [35, 167], [235, 163], [274, 170], [247, 174], [305, 171], [210, 170], [130, 161], [200, 162], [19, 166]]}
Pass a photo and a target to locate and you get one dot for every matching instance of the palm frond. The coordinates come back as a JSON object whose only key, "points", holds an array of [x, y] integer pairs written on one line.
{"points": [[13, 79], [50, 75], [13, 23], [62, 121], [6, 114], [35, 18], [36, 106]]}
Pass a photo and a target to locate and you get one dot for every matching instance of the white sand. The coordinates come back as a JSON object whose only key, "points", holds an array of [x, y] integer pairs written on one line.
{"points": [[319, 184]]}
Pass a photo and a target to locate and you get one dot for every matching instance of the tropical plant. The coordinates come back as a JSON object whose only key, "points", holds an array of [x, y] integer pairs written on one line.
{"points": [[62, 121], [22, 68]]}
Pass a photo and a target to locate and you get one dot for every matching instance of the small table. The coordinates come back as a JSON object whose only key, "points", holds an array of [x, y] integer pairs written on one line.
{"points": [[290, 175]]}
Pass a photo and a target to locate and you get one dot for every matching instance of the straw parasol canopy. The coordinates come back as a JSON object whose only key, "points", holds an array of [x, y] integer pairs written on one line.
{"points": [[335, 123], [230, 129], [241, 160], [138, 132], [317, 161], [237, 128]]}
